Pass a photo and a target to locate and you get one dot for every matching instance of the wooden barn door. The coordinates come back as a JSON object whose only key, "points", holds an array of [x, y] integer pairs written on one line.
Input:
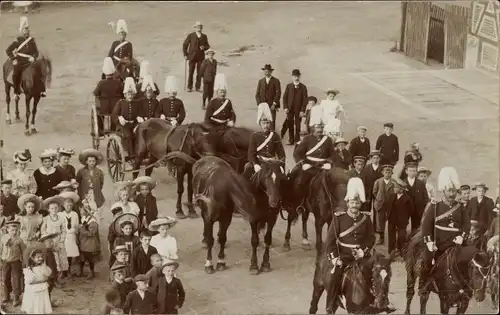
{"points": [[435, 48], [456, 22], [417, 30]]}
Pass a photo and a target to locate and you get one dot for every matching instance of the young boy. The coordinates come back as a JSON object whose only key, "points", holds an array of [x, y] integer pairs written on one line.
{"points": [[140, 301], [388, 145], [11, 255], [90, 245], [208, 71], [154, 274], [113, 301], [398, 207], [382, 188], [141, 257], [423, 174], [8, 200], [482, 206], [121, 283], [311, 102], [359, 164], [146, 201], [360, 146], [417, 192], [171, 294], [476, 238], [126, 237]]}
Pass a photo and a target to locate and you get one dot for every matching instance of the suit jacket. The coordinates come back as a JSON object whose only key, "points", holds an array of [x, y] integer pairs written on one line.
{"points": [[292, 93], [381, 192], [419, 195], [399, 210], [141, 263], [208, 70], [170, 295], [134, 304], [268, 93], [358, 148], [191, 48], [342, 162], [369, 177], [482, 211]]}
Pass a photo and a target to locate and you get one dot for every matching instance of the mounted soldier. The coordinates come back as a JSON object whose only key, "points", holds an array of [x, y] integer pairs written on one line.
{"points": [[314, 153], [445, 224], [127, 111], [171, 108], [22, 53], [149, 104], [220, 113], [264, 145], [121, 52]]}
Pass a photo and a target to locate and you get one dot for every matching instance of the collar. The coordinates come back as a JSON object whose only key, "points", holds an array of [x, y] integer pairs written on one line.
{"points": [[411, 181], [296, 84], [359, 172], [399, 195], [375, 167], [145, 249], [44, 171], [352, 215], [386, 180], [268, 78], [362, 139], [479, 199]]}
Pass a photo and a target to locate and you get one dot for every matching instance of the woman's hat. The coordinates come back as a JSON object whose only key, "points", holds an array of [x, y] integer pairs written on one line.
{"points": [[29, 198], [63, 185], [334, 91], [22, 156], [209, 51], [118, 249], [340, 140], [170, 262], [423, 169], [267, 67], [480, 184], [125, 217], [54, 199], [400, 183], [145, 180], [155, 225], [70, 195], [32, 249], [65, 151], [48, 154], [47, 236], [82, 157]]}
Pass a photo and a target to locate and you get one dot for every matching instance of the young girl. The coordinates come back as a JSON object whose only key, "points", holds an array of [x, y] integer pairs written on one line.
{"points": [[72, 223], [123, 194], [31, 220], [90, 179], [90, 244], [125, 226], [46, 177], [56, 223], [331, 113], [67, 170], [36, 298], [22, 178], [146, 201], [165, 244]]}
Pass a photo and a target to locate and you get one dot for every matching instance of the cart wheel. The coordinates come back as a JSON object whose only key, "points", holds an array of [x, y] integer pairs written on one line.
{"points": [[116, 158], [94, 129]]}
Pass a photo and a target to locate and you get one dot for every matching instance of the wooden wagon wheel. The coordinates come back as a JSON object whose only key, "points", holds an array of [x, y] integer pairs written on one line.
{"points": [[115, 155], [94, 128]]}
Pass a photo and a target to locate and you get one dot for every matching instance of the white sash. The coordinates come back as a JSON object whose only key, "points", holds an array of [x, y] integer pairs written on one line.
{"points": [[221, 107], [23, 55], [24, 43], [317, 146], [121, 45], [116, 58], [263, 144]]}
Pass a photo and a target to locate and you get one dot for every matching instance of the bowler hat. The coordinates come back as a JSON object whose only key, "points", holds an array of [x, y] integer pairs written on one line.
{"points": [[296, 72], [268, 67]]}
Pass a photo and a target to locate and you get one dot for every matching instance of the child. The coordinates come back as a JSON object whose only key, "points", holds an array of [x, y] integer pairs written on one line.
{"points": [[68, 172], [72, 223], [171, 294], [331, 113], [11, 255], [382, 188], [36, 299], [111, 230], [417, 192], [398, 208], [141, 256], [47, 241], [342, 158], [90, 244], [423, 174], [125, 226], [140, 301], [123, 195], [154, 274], [360, 146], [122, 283], [482, 206], [359, 163], [55, 223], [113, 301], [208, 70], [311, 102], [388, 145], [31, 220], [165, 244], [476, 238], [146, 201], [90, 179], [8, 200]]}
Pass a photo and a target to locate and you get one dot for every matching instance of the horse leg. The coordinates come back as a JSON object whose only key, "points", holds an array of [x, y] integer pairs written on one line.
{"points": [[268, 240], [7, 100], [181, 171], [254, 269], [191, 211], [223, 227], [318, 289], [305, 242], [149, 171], [16, 102], [424, 297], [138, 162], [28, 113], [208, 227], [462, 306], [288, 234], [318, 224], [36, 100], [444, 306], [410, 286]]}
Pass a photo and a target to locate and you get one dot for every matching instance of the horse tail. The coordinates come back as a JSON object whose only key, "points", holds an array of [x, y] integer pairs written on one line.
{"points": [[6, 69]]}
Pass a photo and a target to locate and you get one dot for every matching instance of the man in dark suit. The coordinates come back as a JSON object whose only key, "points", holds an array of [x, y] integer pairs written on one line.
{"points": [[194, 48], [294, 104], [481, 207], [360, 146], [371, 172], [269, 91], [388, 144], [418, 194], [399, 207]]}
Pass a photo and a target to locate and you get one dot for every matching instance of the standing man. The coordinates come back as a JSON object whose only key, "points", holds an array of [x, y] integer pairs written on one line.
{"points": [[294, 103], [269, 91], [194, 48], [388, 145], [207, 72]]}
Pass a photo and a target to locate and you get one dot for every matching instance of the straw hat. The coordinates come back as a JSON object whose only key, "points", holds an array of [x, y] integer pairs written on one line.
{"points": [[54, 199], [480, 184], [170, 262], [82, 157], [145, 180], [70, 195], [118, 249], [423, 169], [125, 217], [31, 250], [155, 225], [340, 140], [47, 236], [29, 198], [48, 154], [63, 185]]}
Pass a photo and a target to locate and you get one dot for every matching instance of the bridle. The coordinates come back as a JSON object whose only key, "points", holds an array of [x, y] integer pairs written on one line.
{"points": [[466, 284]]}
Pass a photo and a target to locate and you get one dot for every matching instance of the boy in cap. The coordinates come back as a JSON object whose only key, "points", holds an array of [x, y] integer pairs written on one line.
{"points": [[423, 174], [382, 189], [141, 256], [193, 48], [359, 164], [127, 111], [208, 71], [295, 99], [417, 192], [140, 301], [171, 108], [11, 255], [388, 145], [342, 157], [371, 172], [398, 208], [171, 294], [107, 93], [360, 145], [8, 201], [481, 206], [120, 282]]}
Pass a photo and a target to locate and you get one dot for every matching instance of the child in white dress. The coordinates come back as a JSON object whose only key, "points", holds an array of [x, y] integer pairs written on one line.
{"points": [[331, 114], [165, 244], [56, 223], [72, 225], [36, 298], [123, 194]]}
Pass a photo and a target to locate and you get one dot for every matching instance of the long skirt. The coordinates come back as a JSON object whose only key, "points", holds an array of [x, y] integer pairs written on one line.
{"points": [[36, 301], [71, 246]]}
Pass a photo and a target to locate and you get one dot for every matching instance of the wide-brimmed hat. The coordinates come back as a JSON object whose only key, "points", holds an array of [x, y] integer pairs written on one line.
{"points": [[65, 151], [296, 72], [70, 195], [125, 217], [169, 262], [209, 51], [145, 180], [120, 248], [155, 225], [197, 23], [423, 169], [48, 154], [375, 152], [334, 91], [12, 222], [480, 184], [47, 236], [340, 140], [82, 157], [400, 183], [267, 67], [118, 266], [63, 185], [54, 199], [32, 249], [22, 156], [29, 198]]}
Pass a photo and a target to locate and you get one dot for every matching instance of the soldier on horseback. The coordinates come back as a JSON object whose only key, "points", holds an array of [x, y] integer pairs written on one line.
{"points": [[127, 111], [314, 153], [171, 108], [22, 53], [121, 48], [445, 224], [219, 112], [265, 144]]}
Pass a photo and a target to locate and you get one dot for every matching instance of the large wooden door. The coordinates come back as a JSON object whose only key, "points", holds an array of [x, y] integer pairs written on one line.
{"points": [[456, 22], [417, 30], [435, 47]]}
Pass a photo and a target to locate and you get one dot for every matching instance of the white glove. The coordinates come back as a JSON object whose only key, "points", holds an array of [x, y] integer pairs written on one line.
{"points": [[431, 247], [121, 120], [230, 123], [256, 168], [458, 240], [173, 122], [337, 261], [162, 116], [14, 62], [140, 119], [306, 166], [31, 59], [326, 166], [359, 253]]}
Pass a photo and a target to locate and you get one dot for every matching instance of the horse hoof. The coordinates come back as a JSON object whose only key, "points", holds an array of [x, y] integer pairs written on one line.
{"points": [[27, 132], [8, 122], [193, 215], [286, 247], [254, 271], [313, 310], [265, 267], [209, 269], [18, 119], [221, 266], [180, 215], [34, 131]]}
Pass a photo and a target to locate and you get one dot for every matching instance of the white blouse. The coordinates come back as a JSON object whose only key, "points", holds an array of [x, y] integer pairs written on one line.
{"points": [[130, 207], [331, 112], [166, 246], [22, 181]]}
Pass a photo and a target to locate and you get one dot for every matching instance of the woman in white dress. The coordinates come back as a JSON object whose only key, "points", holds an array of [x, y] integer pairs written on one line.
{"points": [[165, 244], [22, 178], [36, 298], [331, 114], [72, 226]]}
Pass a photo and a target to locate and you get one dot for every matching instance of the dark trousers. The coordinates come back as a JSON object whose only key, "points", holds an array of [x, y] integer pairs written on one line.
{"points": [[208, 92], [397, 236], [415, 218], [273, 123], [100, 122], [128, 138], [87, 257], [17, 76], [292, 125], [12, 273], [427, 266], [194, 64]]}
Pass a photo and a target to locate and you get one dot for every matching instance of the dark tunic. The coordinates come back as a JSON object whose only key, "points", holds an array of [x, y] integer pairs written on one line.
{"points": [[170, 295], [108, 92], [148, 108], [154, 275], [141, 262], [223, 116], [147, 207], [370, 175], [45, 182], [482, 212], [129, 111], [358, 148], [267, 145], [67, 173], [131, 241], [208, 70], [118, 51], [311, 152], [135, 304], [389, 147], [343, 161], [9, 204], [399, 210], [123, 289], [171, 107], [29, 49]]}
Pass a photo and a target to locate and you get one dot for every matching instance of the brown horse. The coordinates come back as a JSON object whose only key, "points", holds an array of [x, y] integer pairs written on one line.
{"points": [[359, 297], [458, 275], [232, 147], [180, 146], [34, 79]]}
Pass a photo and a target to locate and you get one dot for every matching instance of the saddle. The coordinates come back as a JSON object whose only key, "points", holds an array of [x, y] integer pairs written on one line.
{"points": [[354, 273]]}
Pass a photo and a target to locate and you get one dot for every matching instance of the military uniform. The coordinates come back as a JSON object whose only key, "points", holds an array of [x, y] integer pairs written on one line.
{"points": [[219, 111], [129, 111], [107, 92], [25, 47], [148, 109], [140, 94], [264, 145], [120, 50], [171, 108]]}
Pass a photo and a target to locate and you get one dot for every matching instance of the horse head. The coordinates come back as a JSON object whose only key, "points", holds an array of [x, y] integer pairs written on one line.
{"points": [[479, 268], [381, 278], [270, 179]]}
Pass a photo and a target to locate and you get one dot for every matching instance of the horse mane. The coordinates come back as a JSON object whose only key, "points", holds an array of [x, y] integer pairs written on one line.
{"points": [[36, 69], [240, 136]]}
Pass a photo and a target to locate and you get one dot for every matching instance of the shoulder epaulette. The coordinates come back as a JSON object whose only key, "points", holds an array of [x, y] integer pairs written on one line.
{"points": [[339, 213]]}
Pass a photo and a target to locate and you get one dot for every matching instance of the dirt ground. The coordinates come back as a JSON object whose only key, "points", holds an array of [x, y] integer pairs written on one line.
{"points": [[453, 114]]}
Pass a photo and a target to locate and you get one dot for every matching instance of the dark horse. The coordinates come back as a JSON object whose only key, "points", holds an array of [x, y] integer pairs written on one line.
{"points": [[219, 191], [33, 80], [457, 276], [180, 146], [325, 196], [232, 147], [360, 298], [122, 70]]}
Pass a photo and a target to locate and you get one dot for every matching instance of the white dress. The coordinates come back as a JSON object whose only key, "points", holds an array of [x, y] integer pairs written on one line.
{"points": [[130, 207], [331, 112], [70, 241], [22, 181], [166, 246], [58, 226], [36, 298]]}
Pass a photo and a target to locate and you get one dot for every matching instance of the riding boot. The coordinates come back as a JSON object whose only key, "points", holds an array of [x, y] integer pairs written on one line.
{"points": [[424, 276], [248, 171], [16, 80], [381, 238]]}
